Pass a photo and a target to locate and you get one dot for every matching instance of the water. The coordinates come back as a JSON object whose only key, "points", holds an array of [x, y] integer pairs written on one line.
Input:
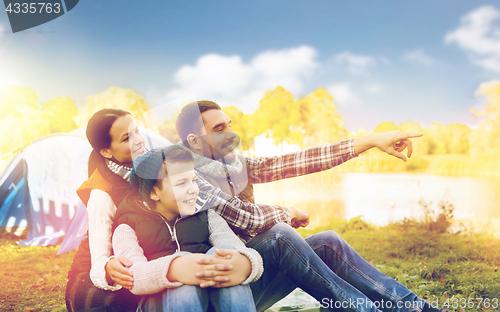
{"points": [[382, 198]]}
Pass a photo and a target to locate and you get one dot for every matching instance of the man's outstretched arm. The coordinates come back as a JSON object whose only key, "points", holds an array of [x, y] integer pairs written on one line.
{"points": [[311, 160], [316, 159]]}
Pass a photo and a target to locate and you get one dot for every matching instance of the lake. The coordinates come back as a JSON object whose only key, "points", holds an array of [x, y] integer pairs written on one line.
{"points": [[382, 198]]}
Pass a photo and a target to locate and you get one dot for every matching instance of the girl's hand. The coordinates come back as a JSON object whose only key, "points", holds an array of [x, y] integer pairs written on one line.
{"points": [[117, 271]]}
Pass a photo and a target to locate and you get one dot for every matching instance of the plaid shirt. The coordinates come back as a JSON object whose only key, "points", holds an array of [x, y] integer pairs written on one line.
{"points": [[251, 219], [311, 160]]}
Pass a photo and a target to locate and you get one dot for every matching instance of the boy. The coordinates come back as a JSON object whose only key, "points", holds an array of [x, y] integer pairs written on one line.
{"points": [[159, 231]]}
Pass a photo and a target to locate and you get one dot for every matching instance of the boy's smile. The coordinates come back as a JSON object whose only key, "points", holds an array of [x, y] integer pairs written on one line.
{"points": [[178, 192]]}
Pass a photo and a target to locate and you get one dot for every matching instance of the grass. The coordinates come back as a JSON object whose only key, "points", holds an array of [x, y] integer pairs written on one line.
{"points": [[425, 256], [33, 278]]}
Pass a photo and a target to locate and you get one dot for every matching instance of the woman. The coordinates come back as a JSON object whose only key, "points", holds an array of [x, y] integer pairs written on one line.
{"points": [[95, 275]]}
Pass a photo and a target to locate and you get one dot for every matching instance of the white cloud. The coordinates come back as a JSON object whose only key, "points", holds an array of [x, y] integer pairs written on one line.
{"points": [[480, 36], [356, 63], [229, 80], [375, 88], [343, 94], [418, 56]]}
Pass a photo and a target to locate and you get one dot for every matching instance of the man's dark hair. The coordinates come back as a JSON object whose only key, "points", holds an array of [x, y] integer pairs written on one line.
{"points": [[189, 120]]}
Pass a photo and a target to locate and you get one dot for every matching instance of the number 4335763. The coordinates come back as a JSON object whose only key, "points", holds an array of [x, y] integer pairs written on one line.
{"points": [[34, 7], [471, 303]]}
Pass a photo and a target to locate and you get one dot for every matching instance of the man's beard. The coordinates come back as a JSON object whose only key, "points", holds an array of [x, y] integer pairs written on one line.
{"points": [[225, 152]]}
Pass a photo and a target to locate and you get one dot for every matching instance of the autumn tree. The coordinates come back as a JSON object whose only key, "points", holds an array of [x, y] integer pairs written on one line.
{"points": [[280, 117], [117, 97], [242, 125], [419, 145], [60, 112], [458, 139], [436, 137], [385, 127], [25, 119], [14, 100], [486, 139], [167, 130], [320, 120]]}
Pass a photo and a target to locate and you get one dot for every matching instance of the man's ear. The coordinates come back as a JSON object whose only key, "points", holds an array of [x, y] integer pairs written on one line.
{"points": [[194, 142], [154, 194], [105, 152]]}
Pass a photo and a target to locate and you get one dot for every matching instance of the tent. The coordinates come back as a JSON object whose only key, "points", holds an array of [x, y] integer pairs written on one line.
{"points": [[38, 189]]}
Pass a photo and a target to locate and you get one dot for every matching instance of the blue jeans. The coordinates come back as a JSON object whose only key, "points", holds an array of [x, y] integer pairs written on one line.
{"points": [[328, 269], [194, 298]]}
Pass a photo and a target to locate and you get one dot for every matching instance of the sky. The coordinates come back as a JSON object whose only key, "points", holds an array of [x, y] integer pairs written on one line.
{"points": [[382, 61]]}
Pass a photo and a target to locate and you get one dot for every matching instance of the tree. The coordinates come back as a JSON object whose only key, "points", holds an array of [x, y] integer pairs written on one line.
{"points": [[242, 125], [14, 99], [420, 145], [21, 117], [167, 130], [280, 117], [60, 112], [486, 139], [385, 127], [459, 135], [117, 97], [321, 122]]}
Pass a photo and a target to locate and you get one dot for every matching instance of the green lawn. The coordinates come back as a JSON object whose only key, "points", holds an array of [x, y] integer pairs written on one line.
{"points": [[33, 278]]}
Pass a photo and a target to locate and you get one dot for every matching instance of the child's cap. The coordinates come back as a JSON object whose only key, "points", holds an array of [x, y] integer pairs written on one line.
{"points": [[147, 169]]}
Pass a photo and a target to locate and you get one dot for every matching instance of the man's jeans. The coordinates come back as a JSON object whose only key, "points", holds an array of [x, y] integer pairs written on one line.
{"points": [[194, 298], [328, 269]]}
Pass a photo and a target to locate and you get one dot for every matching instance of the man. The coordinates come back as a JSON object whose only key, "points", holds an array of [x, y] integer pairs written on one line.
{"points": [[323, 265]]}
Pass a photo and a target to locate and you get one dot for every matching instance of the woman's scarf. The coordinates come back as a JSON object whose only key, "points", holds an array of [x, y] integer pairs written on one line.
{"points": [[120, 170]]}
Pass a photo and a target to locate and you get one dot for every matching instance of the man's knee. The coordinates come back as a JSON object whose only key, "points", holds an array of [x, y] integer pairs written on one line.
{"points": [[325, 238], [280, 232], [284, 231]]}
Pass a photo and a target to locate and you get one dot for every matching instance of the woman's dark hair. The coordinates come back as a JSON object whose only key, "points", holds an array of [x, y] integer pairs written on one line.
{"points": [[99, 125], [98, 132]]}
